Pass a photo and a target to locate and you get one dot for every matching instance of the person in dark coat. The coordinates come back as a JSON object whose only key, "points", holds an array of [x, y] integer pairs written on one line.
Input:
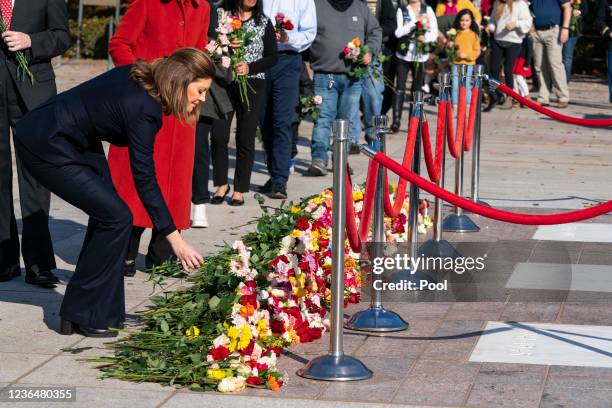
{"points": [[60, 143], [38, 29]]}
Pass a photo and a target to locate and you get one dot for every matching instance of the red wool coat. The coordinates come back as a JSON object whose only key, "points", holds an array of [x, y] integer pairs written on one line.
{"points": [[153, 29]]}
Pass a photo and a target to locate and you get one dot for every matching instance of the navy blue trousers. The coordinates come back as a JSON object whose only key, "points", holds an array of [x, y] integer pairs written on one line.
{"points": [[95, 295], [283, 83]]}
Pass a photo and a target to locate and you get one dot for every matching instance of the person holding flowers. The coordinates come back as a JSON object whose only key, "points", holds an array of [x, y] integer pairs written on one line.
{"points": [[251, 38], [153, 29], [348, 35], [33, 32], [465, 44], [417, 29], [295, 27]]}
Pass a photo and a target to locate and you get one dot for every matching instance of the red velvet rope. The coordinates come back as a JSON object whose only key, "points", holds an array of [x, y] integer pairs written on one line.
{"points": [[434, 165], [355, 236], [455, 143], [469, 133], [500, 215], [393, 210], [552, 114]]}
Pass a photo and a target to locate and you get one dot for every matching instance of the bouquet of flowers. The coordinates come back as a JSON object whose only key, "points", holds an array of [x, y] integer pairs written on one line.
{"points": [[282, 22], [353, 54], [230, 30], [451, 47], [309, 106], [422, 47], [23, 68], [576, 15]]}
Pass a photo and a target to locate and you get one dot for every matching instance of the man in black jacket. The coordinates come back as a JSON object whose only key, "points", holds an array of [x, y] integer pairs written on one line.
{"points": [[603, 23], [39, 30]]}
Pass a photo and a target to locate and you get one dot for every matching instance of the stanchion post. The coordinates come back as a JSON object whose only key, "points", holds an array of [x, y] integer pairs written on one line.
{"points": [[413, 209], [479, 75], [337, 366], [438, 247], [377, 318], [459, 222]]}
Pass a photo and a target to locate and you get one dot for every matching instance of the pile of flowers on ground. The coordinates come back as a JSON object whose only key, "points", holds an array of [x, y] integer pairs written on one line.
{"points": [[266, 292]]}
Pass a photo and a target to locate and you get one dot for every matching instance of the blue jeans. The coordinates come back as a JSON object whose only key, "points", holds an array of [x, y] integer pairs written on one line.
{"points": [[568, 55], [610, 74], [455, 84], [340, 101], [283, 83], [372, 95]]}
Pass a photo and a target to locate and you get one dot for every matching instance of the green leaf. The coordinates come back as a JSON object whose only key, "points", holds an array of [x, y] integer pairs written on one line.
{"points": [[213, 302], [163, 325]]}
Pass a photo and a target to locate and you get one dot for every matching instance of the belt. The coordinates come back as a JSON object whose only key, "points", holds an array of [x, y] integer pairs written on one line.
{"points": [[288, 52], [547, 27]]}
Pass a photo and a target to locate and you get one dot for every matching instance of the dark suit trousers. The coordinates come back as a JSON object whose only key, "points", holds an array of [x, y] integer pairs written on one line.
{"points": [[95, 294], [34, 199]]}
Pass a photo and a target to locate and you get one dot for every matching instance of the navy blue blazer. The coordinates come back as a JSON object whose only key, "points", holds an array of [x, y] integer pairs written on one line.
{"points": [[110, 108]]}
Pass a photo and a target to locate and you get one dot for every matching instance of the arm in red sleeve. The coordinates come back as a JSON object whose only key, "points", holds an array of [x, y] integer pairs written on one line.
{"points": [[130, 27]]}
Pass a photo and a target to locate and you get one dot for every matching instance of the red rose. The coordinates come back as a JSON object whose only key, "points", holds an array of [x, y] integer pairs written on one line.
{"points": [[260, 366], [302, 223], [252, 380], [219, 353], [251, 284], [304, 266], [277, 326], [353, 298], [246, 300], [419, 25], [249, 349], [288, 26]]}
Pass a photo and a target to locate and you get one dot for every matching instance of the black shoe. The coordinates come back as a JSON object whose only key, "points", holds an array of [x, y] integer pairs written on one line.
{"points": [[67, 328], [354, 149], [10, 272], [129, 268], [279, 191], [266, 188], [217, 199], [45, 279], [236, 203]]}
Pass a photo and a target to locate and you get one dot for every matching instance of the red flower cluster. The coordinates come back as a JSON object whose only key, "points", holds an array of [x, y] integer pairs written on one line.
{"points": [[219, 353], [302, 223]]}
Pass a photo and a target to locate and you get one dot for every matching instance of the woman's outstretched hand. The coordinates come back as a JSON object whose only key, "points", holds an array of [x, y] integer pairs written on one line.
{"points": [[189, 257]]}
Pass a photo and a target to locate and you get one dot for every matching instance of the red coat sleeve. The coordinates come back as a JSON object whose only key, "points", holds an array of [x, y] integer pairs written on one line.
{"points": [[121, 46], [203, 40]]}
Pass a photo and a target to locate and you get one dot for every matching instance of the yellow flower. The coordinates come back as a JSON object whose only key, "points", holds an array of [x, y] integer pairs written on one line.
{"points": [[245, 337], [314, 234], [216, 374], [392, 188], [232, 332], [296, 233], [295, 209], [262, 329], [357, 196], [317, 200], [193, 331]]}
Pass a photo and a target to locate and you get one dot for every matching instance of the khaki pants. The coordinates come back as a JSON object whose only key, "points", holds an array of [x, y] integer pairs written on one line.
{"points": [[548, 62]]}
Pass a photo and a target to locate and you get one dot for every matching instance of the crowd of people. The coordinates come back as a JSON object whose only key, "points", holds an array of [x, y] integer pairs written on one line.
{"points": [[353, 64]]}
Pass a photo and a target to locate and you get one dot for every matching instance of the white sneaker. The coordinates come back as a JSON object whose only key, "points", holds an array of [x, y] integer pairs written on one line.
{"points": [[198, 218], [425, 88]]}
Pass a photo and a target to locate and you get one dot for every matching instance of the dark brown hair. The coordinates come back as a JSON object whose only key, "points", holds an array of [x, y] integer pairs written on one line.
{"points": [[166, 79]]}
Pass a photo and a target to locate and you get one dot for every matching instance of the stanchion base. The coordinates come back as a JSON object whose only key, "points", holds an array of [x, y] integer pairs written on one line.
{"points": [[459, 223], [335, 368], [438, 249], [376, 320]]}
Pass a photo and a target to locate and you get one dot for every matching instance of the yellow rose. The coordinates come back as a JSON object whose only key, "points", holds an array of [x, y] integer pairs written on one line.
{"points": [[216, 374], [295, 209], [296, 233], [357, 196], [317, 200]]}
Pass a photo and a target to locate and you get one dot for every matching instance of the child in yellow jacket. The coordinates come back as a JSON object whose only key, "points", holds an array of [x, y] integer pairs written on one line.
{"points": [[467, 45]]}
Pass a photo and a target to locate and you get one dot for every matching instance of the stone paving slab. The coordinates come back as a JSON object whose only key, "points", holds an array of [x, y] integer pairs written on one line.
{"points": [[529, 164]]}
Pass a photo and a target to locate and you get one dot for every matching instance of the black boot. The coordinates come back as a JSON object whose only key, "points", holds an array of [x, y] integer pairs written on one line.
{"points": [[398, 107], [493, 100]]}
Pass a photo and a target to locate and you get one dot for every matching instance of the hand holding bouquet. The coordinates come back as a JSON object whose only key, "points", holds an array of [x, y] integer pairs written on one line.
{"points": [[422, 46], [358, 57], [281, 26], [23, 68], [232, 34], [451, 47], [576, 15]]}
